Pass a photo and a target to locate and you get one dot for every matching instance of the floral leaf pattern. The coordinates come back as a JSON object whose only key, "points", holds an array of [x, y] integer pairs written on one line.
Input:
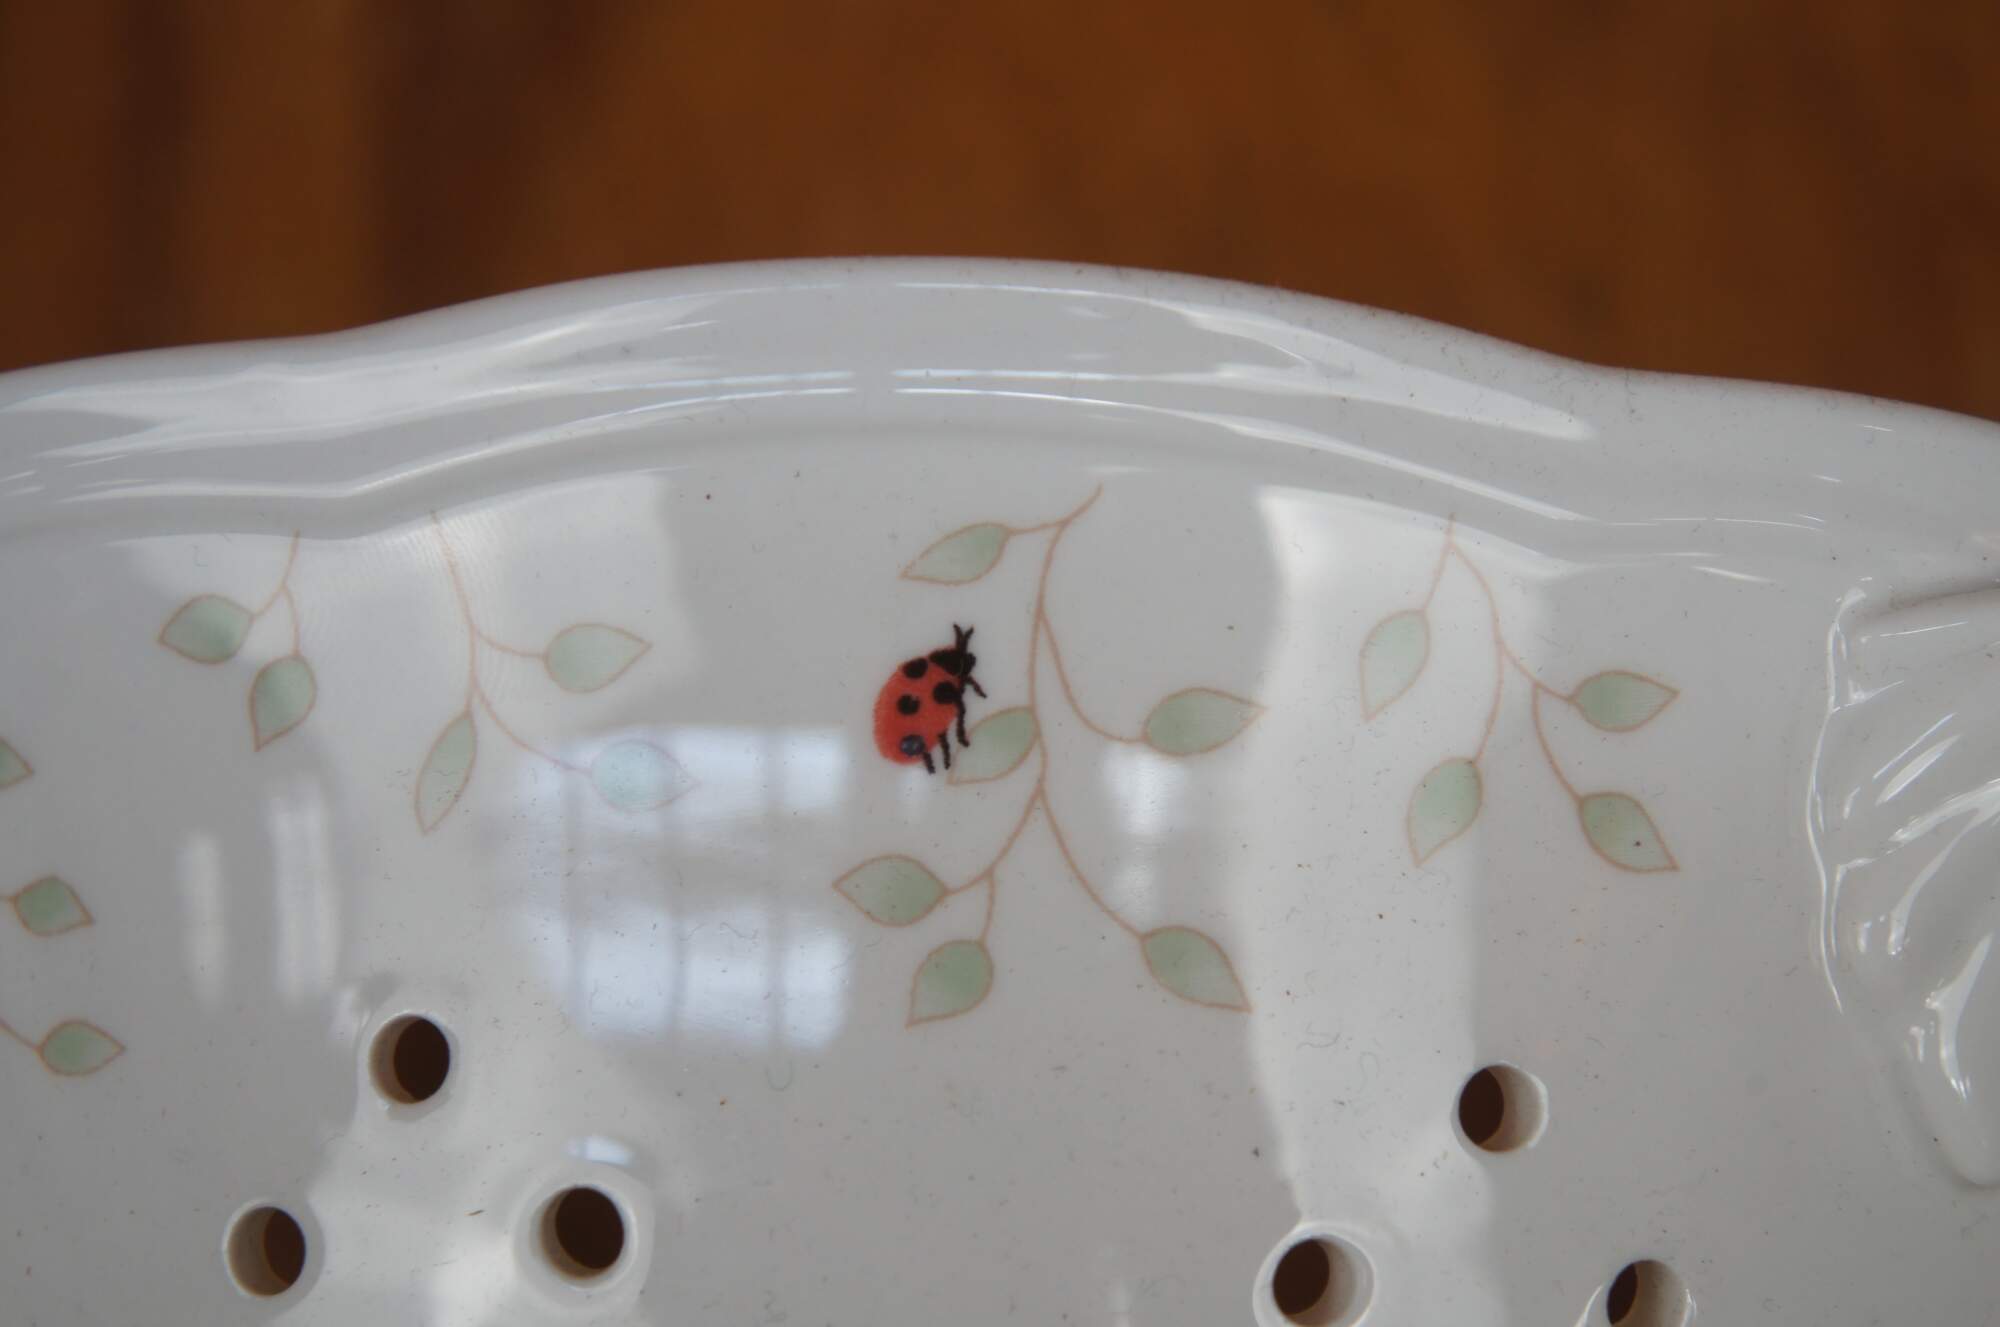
{"points": [[629, 775], [1443, 807], [208, 628], [1198, 720], [50, 907], [1193, 967], [1392, 658], [13, 768], [897, 890], [1000, 745], [591, 656], [635, 775], [1618, 701], [1447, 799], [281, 697], [75, 1048], [953, 979], [961, 556], [447, 769], [213, 629], [1619, 828]]}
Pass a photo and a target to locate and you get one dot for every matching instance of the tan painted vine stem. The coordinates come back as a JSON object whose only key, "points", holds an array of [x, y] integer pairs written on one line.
{"points": [[895, 890], [1449, 798]]}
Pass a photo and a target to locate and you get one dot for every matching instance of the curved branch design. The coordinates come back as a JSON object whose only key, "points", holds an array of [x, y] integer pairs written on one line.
{"points": [[1448, 798], [956, 976], [47, 908], [629, 774]]}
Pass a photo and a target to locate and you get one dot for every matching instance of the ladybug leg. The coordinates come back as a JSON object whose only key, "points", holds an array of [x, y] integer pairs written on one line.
{"points": [[929, 768], [963, 740], [971, 682], [944, 748]]}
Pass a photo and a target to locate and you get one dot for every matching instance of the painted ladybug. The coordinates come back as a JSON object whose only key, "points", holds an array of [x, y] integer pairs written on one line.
{"points": [[923, 702]]}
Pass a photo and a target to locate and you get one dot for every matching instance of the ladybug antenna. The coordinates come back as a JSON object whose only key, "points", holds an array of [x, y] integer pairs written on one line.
{"points": [[964, 635]]}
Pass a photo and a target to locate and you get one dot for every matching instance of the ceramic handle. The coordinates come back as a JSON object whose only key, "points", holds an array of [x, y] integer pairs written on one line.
{"points": [[1906, 823]]}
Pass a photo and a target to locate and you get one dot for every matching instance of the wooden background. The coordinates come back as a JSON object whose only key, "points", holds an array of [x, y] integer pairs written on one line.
{"points": [[1806, 192]]}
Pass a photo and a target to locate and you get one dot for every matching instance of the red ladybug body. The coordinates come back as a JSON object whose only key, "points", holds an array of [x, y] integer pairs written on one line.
{"points": [[923, 704]]}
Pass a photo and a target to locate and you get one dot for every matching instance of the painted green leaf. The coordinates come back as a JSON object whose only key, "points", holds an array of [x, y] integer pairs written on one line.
{"points": [[1000, 742], [280, 698], [952, 979], [637, 776], [591, 656], [893, 890], [961, 556], [75, 1048], [207, 629], [447, 769], [1190, 722], [13, 768], [1443, 807], [1193, 967], [50, 907], [1392, 658], [1619, 701], [1619, 828]]}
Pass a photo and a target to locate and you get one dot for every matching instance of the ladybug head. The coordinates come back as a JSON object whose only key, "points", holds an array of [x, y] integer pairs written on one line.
{"points": [[957, 660]]}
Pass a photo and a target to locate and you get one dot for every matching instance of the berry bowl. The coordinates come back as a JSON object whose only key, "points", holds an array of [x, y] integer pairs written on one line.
{"points": [[915, 791]]}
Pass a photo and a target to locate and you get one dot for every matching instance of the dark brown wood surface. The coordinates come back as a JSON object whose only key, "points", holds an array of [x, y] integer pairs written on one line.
{"points": [[1806, 192]]}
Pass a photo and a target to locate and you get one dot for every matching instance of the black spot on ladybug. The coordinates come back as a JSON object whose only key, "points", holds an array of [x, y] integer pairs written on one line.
{"points": [[944, 693], [908, 705], [915, 668], [912, 745]]}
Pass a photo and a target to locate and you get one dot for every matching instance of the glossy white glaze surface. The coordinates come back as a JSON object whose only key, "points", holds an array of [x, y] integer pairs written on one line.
{"points": [[1455, 612]]}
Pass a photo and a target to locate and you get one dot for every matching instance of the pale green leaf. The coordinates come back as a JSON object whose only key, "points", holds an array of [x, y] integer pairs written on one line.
{"points": [[13, 768], [633, 775], [280, 698], [952, 979], [50, 907], [1392, 658], [1190, 722], [590, 656], [1443, 807], [893, 890], [1619, 828], [76, 1047], [999, 743], [447, 769], [961, 556], [1619, 701], [207, 629], [1193, 967]]}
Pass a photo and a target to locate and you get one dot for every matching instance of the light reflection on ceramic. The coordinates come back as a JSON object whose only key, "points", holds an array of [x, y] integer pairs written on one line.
{"points": [[581, 605]]}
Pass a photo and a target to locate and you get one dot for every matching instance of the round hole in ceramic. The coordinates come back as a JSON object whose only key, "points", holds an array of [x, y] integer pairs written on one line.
{"points": [[411, 1059], [1319, 1281], [583, 1232], [265, 1251], [1502, 1108], [1648, 1294]]}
